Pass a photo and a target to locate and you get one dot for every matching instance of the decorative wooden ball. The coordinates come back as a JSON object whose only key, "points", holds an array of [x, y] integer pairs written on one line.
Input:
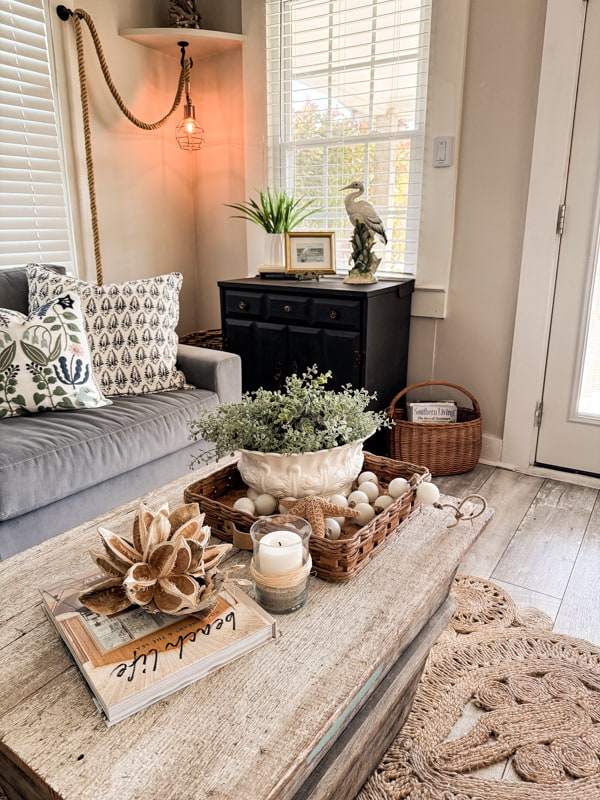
{"points": [[356, 497], [265, 504], [382, 502], [333, 530], [428, 493], [338, 500], [397, 487], [245, 505], [367, 476], [371, 489], [365, 513]]}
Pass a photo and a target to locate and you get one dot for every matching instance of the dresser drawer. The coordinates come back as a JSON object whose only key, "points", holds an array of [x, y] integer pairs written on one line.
{"points": [[243, 304], [337, 313], [287, 308]]}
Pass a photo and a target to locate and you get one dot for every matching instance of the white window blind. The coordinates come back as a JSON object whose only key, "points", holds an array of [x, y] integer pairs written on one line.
{"points": [[34, 219], [347, 91]]}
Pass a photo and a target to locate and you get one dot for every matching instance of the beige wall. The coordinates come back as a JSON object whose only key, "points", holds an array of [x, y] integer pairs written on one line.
{"points": [[472, 345], [144, 182], [162, 209]]}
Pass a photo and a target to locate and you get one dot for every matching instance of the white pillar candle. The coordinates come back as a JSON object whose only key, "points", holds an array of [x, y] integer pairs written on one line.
{"points": [[279, 552]]}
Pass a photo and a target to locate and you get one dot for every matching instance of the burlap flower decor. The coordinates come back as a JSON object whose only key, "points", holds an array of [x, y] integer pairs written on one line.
{"points": [[167, 566]]}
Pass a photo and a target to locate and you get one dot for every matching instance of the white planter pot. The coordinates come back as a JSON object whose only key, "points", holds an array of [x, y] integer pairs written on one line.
{"points": [[274, 250], [321, 473]]}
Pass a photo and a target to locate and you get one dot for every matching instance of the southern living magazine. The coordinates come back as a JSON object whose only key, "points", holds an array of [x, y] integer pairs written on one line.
{"points": [[134, 658]]}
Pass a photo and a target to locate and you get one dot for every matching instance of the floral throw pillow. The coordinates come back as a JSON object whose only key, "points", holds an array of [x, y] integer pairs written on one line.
{"points": [[45, 362], [130, 328]]}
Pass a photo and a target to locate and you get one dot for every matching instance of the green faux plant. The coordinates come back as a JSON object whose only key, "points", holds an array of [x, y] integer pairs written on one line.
{"points": [[303, 417], [276, 211]]}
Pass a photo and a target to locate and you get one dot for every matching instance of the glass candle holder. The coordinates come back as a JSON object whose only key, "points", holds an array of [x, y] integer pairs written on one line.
{"points": [[281, 562]]}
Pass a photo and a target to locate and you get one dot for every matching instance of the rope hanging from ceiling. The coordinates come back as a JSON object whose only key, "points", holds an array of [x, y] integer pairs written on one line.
{"points": [[77, 15]]}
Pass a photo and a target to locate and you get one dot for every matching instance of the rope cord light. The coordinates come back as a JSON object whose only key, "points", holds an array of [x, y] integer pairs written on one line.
{"points": [[184, 78]]}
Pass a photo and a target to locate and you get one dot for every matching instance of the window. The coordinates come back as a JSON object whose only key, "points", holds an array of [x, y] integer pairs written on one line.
{"points": [[34, 223], [347, 86]]}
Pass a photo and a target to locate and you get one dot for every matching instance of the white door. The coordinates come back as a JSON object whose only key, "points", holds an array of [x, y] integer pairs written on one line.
{"points": [[569, 434]]}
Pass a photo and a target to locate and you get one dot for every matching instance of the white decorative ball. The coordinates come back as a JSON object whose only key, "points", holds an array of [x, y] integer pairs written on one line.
{"points": [[245, 505], [382, 502], [339, 500], [356, 497], [367, 476], [428, 493], [333, 530], [265, 504], [365, 514], [370, 489], [397, 487], [252, 494], [284, 509]]}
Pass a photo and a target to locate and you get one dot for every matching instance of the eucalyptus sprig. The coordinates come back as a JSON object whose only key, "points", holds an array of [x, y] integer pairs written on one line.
{"points": [[303, 417], [276, 211]]}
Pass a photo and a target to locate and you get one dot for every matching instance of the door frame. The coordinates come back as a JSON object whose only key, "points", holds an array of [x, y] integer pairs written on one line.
{"points": [[550, 160]]}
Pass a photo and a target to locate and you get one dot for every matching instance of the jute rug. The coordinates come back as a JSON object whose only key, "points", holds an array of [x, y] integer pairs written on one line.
{"points": [[505, 710]]}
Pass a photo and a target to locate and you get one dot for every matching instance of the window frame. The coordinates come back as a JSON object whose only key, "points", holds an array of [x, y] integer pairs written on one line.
{"points": [[45, 11], [448, 43], [283, 145]]}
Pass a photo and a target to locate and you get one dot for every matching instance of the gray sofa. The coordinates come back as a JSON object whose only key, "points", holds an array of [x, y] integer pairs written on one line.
{"points": [[59, 469]]}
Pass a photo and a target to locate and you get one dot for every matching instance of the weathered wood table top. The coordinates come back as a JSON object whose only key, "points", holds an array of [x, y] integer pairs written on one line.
{"points": [[242, 732]]}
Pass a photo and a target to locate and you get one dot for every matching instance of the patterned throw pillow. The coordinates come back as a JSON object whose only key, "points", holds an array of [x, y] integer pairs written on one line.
{"points": [[45, 362], [130, 328]]}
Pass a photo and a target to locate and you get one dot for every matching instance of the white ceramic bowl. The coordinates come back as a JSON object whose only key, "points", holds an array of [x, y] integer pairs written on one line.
{"points": [[323, 472]]}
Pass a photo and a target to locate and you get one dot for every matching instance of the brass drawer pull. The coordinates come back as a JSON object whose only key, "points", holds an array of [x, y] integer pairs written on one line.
{"points": [[242, 304], [287, 309], [333, 314]]}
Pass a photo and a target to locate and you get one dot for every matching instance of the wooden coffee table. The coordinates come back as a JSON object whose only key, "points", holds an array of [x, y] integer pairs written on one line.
{"points": [[303, 717]]}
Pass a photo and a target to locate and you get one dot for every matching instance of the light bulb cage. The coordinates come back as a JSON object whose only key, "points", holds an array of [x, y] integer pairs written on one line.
{"points": [[189, 134]]}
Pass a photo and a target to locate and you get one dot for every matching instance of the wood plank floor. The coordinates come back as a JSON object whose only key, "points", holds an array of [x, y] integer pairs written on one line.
{"points": [[542, 545]]}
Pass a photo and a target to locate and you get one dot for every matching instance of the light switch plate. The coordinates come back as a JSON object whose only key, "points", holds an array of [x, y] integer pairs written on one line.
{"points": [[442, 151]]}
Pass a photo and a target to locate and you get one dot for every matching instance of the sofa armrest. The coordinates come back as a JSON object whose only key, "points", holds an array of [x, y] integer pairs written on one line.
{"points": [[213, 370]]}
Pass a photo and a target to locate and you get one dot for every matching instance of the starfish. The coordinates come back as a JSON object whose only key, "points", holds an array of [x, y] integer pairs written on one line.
{"points": [[315, 509]]}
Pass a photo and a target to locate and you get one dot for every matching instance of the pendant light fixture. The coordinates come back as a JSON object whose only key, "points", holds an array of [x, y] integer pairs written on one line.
{"points": [[189, 134]]}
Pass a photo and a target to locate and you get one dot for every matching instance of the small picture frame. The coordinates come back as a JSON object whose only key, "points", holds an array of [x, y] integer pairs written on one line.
{"points": [[310, 252]]}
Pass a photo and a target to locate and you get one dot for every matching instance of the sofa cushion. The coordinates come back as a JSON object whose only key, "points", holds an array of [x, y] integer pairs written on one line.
{"points": [[130, 327], [48, 456], [14, 289], [45, 362]]}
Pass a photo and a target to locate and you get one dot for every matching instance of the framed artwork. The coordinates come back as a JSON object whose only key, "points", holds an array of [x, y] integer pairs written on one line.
{"points": [[310, 252]]}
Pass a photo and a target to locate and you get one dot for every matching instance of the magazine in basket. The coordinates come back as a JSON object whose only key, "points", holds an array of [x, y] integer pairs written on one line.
{"points": [[134, 658]]}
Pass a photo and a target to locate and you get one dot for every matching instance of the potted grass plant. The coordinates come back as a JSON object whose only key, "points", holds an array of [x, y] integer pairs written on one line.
{"points": [[276, 212], [301, 440]]}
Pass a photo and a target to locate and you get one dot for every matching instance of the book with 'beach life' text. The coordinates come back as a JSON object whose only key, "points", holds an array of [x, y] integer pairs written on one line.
{"points": [[134, 658]]}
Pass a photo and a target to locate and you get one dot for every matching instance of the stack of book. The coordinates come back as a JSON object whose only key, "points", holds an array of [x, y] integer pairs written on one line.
{"points": [[134, 658]]}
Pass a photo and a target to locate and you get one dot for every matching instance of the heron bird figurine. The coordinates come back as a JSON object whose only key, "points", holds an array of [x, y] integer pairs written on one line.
{"points": [[363, 211]]}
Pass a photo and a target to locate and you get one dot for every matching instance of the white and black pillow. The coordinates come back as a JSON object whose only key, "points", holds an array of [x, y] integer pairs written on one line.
{"points": [[130, 328]]}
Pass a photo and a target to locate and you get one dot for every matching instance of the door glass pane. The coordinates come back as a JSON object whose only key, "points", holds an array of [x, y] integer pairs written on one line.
{"points": [[588, 402]]}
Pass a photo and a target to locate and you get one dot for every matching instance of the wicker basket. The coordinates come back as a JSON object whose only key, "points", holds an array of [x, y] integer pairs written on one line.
{"points": [[338, 561], [445, 448], [211, 338]]}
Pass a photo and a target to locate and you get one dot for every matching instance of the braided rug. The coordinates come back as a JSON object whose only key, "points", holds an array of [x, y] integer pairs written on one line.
{"points": [[510, 711]]}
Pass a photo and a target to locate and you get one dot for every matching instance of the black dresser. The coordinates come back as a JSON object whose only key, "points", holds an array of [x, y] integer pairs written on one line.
{"points": [[359, 332]]}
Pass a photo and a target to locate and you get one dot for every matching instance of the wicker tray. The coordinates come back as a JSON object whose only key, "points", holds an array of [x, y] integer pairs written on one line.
{"points": [[338, 561], [211, 338], [447, 448]]}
